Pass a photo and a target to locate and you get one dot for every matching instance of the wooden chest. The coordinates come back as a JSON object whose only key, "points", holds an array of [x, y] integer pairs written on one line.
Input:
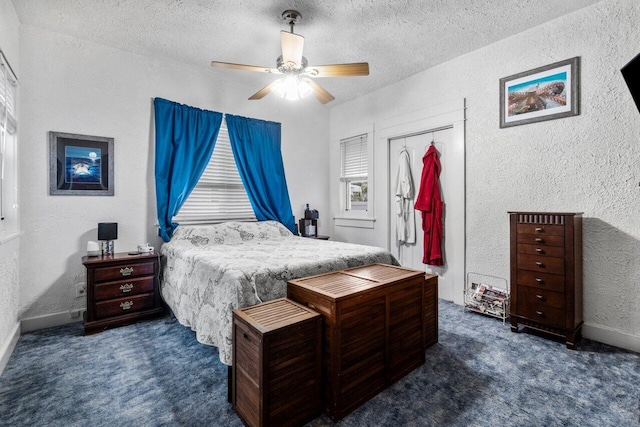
{"points": [[430, 310], [121, 289], [546, 273], [372, 329], [277, 364]]}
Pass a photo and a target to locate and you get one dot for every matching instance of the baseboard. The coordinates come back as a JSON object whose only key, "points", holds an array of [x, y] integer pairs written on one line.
{"points": [[9, 345], [51, 320], [611, 336]]}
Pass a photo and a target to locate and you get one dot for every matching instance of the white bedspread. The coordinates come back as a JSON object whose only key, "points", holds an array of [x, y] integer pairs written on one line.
{"points": [[209, 271]]}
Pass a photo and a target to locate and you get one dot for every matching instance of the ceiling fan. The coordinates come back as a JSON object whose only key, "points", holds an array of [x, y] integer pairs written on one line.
{"points": [[297, 81]]}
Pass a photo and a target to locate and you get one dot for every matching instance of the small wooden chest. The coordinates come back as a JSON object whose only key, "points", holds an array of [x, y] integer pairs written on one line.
{"points": [[430, 310], [277, 364], [372, 329]]}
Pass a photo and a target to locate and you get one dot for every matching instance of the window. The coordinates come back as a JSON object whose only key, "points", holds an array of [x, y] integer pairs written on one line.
{"points": [[220, 194], [8, 148], [353, 155]]}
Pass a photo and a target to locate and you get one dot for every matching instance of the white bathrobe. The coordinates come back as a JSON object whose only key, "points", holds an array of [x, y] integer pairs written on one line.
{"points": [[405, 223]]}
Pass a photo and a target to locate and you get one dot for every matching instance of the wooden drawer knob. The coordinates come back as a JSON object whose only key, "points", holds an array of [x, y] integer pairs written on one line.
{"points": [[539, 240], [539, 280], [540, 250], [540, 297], [539, 229], [539, 264]]}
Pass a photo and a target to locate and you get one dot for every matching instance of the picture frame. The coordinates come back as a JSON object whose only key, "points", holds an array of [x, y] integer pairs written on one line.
{"points": [[80, 165], [545, 93]]}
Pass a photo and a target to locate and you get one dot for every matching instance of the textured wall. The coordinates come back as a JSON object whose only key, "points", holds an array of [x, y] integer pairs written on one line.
{"points": [[587, 163], [72, 85], [9, 288]]}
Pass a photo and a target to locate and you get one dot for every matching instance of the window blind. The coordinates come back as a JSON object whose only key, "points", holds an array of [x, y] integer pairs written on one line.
{"points": [[354, 157], [219, 195]]}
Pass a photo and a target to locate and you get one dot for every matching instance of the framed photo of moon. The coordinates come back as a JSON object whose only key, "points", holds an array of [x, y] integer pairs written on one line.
{"points": [[80, 165]]}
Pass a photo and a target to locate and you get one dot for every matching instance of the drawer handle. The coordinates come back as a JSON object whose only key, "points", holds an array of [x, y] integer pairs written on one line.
{"points": [[539, 264], [311, 306], [539, 280], [127, 287], [540, 297], [539, 229], [539, 240], [539, 313], [126, 271], [540, 250], [126, 305]]}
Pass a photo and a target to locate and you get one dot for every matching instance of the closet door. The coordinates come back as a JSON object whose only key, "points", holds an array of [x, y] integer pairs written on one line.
{"points": [[411, 255]]}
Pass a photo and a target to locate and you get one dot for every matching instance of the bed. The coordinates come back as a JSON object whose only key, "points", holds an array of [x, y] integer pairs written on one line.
{"points": [[209, 271]]}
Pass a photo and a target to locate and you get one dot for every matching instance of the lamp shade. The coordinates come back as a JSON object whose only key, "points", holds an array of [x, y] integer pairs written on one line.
{"points": [[107, 230]]}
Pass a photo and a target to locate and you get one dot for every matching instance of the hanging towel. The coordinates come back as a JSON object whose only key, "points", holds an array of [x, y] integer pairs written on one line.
{"points": [[406, 222], [430, 203]]}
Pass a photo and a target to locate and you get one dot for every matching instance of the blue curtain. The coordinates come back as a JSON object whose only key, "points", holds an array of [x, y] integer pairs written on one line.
{"points": [[256, 149], [185, 137]]}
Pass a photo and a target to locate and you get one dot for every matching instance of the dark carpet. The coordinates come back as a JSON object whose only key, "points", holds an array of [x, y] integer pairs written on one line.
{"points": [[480, 374]]}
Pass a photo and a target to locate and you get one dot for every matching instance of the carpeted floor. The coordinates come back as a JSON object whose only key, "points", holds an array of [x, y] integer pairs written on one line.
{"points": [[480, 374]]}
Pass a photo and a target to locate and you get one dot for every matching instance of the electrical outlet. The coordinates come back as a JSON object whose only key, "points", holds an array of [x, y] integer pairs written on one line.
{"points": [[81, 290]]}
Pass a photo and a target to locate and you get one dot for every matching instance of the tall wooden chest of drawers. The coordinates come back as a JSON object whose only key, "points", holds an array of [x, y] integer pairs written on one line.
{"points": [[276, 364], [121, 289], [372, 329], [546, 273]]}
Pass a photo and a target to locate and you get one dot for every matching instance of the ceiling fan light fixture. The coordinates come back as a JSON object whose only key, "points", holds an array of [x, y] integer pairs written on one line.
{"points": [[292, 88]]}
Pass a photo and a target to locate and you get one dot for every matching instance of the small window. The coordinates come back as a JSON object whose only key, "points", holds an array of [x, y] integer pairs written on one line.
{"points": [[354, 170], [219, 195], [8, 148]]}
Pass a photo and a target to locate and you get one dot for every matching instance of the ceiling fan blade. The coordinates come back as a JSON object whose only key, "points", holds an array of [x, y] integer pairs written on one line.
{"points": [[339, 70], [319, 92], [244, 67], [292, 45], [262, 92]]}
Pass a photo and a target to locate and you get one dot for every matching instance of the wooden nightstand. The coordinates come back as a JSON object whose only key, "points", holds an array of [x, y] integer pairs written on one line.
{"points": [[318, 237], [121, 289]]}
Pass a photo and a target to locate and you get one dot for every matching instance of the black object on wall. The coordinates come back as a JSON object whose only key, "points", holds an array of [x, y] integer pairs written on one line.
{"points": [[631, 74]]}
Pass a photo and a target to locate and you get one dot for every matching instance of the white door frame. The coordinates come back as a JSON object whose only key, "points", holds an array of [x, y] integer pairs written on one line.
{"points": [[445, 115]]}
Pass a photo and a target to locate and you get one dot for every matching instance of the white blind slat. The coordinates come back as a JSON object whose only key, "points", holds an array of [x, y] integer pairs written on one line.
{"points": [[220, 194]]}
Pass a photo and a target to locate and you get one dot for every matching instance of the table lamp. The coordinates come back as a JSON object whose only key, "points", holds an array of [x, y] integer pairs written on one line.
{"points": [[107, 233]]}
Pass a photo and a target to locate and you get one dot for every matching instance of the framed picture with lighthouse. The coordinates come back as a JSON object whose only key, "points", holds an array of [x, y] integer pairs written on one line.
{"points": [[545, 93], [80, 165]]}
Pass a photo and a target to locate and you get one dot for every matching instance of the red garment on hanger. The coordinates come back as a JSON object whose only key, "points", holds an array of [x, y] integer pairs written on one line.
{"points": [[430, 203]]}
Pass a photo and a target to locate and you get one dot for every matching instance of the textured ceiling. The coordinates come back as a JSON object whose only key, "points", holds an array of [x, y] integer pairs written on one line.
{"points": [[398, 38]]}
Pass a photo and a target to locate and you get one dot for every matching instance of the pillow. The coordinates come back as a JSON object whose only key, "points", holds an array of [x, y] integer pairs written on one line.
{"points": [[260, 230], [202, 235]]}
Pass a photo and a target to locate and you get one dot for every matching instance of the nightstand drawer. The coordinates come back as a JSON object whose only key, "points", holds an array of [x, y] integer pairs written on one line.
{"points": [[542, 250], [539, 263], [122, 306], [123, 288], [124, 271]]}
